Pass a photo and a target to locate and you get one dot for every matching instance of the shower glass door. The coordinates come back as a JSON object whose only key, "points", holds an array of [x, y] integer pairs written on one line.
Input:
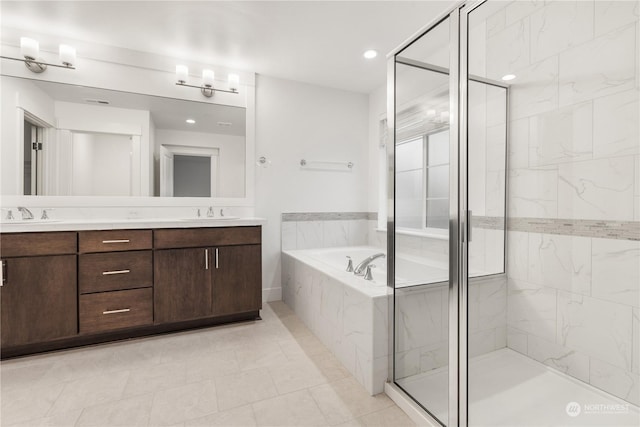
{"points": [[420, 218]]}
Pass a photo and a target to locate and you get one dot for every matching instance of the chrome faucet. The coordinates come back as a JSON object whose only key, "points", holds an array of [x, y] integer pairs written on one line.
{"points": [[359, 270], [367, 273], [210, 213], [26, 213]]}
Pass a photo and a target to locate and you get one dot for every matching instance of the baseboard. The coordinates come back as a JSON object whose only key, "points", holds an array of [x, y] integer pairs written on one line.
{"points": [[271, 294]]}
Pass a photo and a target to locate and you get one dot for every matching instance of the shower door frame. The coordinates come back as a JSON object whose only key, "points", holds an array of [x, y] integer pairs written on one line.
{"points": [[459, 215]]}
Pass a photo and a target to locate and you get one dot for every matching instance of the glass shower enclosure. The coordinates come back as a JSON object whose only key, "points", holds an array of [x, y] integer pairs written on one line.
{"points": [[474, 101]]}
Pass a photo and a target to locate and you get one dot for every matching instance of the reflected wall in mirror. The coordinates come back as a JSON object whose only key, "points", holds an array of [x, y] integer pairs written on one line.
{"points": [[61, 140]]}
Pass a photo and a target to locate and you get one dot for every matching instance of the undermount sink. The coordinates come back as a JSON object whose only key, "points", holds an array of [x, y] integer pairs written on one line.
{"points": [[217, 218]]}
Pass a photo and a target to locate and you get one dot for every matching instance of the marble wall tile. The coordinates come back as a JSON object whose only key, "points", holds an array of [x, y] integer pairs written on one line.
{"points": [[563, 135], [616, 271], [519, 144], [615, 380], [501, 336], [561, 262], [559, 26], [496, 148], [408, 245], [611, 15], [603, 66], [380, 326], [487, 303], [561, 358], [519, 9], [536, 90], [434, 356], [615, 125], [636, 341], [517, 340], [309, 235], [532, 309], [358, 232], [596, 189], [407, 363], [418, 318], [533, 192], [289, 235], [495, 190], [477, 252], [481, 342], [517, 255], [494, 251], [335, 234], [496, 23], [596, 328], [508, 50]]}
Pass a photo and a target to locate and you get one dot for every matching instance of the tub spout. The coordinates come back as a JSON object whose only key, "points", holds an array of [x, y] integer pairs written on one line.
{"points": [[359, 270]]}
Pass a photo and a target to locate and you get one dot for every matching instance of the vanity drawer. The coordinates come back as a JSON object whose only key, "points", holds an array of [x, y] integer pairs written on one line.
{"points": [[107, 311], [115, 271], [34, 244], [114, 240], [202, 237]]}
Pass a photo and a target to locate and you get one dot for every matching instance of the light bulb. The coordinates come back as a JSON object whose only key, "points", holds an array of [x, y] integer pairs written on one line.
{"points": [[207, 78], [234, 82], [29, 48], [181, 73], [67, 55]]}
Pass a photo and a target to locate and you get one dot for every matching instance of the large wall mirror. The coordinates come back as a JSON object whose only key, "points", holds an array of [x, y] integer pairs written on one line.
{"points": [[66, 140]]}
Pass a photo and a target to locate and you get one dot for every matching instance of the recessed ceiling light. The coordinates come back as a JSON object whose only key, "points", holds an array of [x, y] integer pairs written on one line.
{"points": [[190, 121], [508, 77], [370, 54]]}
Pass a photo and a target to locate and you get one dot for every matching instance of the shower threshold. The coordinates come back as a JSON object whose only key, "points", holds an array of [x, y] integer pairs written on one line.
{"points": [[509, 389]]}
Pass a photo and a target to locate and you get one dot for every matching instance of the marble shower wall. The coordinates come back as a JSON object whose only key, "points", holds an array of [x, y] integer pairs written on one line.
{"points": [[573, 300], [324, 230]]}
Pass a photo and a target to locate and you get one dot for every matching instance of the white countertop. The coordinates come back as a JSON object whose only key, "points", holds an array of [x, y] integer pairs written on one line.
{"points": [[115, 224]]}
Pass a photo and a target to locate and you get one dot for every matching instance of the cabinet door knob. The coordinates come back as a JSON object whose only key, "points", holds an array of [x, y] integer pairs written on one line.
{"points": [[206, 259], [122, 310], [216, 258], [116, 241]]}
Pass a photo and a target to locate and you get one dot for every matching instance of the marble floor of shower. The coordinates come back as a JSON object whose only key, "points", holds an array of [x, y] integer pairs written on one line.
{"points": [[509, 389]]}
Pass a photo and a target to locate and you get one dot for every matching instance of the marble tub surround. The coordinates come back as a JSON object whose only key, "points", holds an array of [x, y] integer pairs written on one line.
{"points": [[351, 322], [324, 229]]}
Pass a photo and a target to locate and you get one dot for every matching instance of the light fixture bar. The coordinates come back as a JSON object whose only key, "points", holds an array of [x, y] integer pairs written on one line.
{"points": [[207, 91], [38, 66]]}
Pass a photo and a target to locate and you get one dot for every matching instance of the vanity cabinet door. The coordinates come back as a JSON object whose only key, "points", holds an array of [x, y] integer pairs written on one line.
{"points": [[182, 288], [38, 299], [237, 279]]}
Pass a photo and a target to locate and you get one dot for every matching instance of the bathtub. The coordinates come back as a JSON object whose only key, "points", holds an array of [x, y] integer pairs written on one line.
{"points": [[350, 314], [346, 312]]}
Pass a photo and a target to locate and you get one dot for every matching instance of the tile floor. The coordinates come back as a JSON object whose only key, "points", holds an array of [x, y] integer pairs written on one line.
{"points": [[272, 372]]}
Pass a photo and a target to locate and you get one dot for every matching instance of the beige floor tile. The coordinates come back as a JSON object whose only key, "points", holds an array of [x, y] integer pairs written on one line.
{"points": [[64, 419], [388, 417], [155, 378], [237, 417], [133, 411], [330, 367], [180, 404], [293, 409], [305, 345], [263, 355], [209, 365], [19, 373], [244, 387], [280, 309], [26, 403], [90, 391], [350, 423], [297, 375], [345, 399]]}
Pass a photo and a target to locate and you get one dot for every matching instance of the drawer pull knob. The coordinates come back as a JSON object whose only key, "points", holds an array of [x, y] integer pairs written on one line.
{"points": [[122, 310], [116, 241], [108, 273]]}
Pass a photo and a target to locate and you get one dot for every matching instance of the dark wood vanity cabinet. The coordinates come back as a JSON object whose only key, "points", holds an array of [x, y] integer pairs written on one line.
{"points": [[39, 295], [64, 289], [221, 276]]}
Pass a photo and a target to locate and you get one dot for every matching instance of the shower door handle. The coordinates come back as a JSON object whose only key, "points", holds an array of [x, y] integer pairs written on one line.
{"points": [[469, 225]]}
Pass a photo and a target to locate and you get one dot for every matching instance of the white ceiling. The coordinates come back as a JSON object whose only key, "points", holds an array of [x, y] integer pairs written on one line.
{"points": [[319, 42]]}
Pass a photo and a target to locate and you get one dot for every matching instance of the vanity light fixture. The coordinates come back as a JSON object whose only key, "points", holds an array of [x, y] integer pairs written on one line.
{"points": [[208, 77], [508, 77], [30, 50]]}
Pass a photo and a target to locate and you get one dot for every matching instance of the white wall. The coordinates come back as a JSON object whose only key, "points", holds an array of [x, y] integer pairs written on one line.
{"points": [[231, 151], [296, 121]]}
